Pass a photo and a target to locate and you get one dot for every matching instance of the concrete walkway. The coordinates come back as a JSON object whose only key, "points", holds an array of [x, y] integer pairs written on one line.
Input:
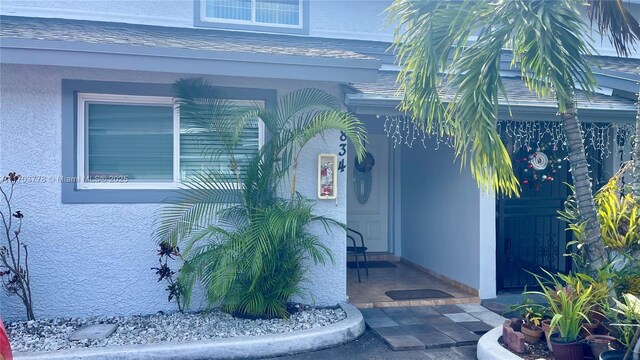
{"points": [[431, 327]]}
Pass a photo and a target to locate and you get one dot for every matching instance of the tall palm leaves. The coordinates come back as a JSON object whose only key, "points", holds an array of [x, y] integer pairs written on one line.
{"points": [[546, 42], [244, 238], [614, 20], [635, 184]]}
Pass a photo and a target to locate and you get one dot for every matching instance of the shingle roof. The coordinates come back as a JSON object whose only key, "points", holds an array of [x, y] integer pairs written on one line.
{"points": [[184, 38], [517, 92], [626, 65]]}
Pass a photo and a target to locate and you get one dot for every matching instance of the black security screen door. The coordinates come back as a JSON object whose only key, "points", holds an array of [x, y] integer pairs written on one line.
{"points": [[529, 234]]}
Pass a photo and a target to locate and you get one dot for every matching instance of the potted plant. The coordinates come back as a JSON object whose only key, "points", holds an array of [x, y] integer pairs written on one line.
{"points": [[568, 305], [531, 325], [629, 321], [599, 344]]}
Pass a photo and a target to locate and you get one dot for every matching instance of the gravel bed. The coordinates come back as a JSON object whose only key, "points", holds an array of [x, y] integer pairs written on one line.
{"points": [[47, 335]]}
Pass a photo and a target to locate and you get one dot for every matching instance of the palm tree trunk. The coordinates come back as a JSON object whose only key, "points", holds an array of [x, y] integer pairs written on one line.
{"points": [[635, 182], [594, 247]]}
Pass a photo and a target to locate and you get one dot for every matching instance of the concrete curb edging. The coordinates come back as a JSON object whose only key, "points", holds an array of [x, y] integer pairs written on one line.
{"points": [[489, 349], [244, 347]]}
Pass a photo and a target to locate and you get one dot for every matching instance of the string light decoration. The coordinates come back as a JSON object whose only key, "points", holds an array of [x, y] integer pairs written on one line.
{"points": [[524, 134]]}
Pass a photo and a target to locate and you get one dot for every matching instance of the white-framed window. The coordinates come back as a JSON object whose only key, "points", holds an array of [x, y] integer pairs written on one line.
{"points": [[137, 142], [275, 13]]}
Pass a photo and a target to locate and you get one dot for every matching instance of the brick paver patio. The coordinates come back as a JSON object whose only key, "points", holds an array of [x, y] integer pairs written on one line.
{"points": [[431, 327]]}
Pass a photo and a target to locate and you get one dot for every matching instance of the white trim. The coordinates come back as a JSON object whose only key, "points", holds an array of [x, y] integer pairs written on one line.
{"points": [[205, 18], [176, 144]]}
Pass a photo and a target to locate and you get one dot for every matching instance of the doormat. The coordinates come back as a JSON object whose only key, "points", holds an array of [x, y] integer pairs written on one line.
{"points": [[371, 264], [417, 294]]}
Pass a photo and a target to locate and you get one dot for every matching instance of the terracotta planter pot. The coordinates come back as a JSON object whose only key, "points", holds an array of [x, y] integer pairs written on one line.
{"points": [[546, 327], [599, 344], [571, 350], [532, 334]]}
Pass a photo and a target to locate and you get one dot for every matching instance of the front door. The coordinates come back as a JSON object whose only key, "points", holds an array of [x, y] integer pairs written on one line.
{"points": [[371, 218]]}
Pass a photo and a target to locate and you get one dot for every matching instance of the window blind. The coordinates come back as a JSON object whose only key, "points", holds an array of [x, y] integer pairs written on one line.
{"points": [[202, 152], [229, 9], [281, 12], [130, 140], [284, 12]]}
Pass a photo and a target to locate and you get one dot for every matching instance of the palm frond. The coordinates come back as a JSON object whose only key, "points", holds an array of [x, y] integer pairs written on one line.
{"points": [[291, 105], [614, 19], [550, 49]]}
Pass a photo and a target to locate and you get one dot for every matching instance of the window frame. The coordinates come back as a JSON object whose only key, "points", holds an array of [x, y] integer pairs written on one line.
{"points": [[85, 99], [202, 20], [71, 193]]}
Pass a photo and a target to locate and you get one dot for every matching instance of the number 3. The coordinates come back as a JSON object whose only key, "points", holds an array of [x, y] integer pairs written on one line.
{"points": [[343, 149]]}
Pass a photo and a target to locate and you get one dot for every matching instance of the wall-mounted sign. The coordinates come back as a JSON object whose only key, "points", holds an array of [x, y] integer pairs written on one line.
{"points": [[327, 176]]}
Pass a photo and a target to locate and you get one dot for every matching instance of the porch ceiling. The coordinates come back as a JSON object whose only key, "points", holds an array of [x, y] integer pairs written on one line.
{"points": [[41, 41]]}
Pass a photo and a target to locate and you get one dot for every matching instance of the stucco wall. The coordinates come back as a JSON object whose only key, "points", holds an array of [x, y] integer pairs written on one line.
{"points": [[95, 259], [440, 214]]}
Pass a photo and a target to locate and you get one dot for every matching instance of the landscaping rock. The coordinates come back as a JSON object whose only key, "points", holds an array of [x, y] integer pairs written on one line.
{"points": [[49, 335], [93, 332]]}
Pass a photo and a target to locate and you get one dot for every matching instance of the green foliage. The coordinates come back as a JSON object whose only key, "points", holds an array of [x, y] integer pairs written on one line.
{"points": [[619, 216], [627, 319], [247, 244], [434, 38], [569, 301], [530, 311]]}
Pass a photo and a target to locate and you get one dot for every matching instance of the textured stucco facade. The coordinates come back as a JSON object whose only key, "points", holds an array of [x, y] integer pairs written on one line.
{"points": [[95, 259]]}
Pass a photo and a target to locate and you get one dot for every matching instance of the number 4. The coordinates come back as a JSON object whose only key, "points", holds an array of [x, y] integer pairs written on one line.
{"points": [[341, 165]]}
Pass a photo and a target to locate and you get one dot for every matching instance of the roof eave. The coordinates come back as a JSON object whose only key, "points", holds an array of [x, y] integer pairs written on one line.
{"points": [[190, 61], [371, 104]]}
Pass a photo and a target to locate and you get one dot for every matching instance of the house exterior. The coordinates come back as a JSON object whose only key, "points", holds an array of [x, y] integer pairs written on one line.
{"points": [[65, 65]]}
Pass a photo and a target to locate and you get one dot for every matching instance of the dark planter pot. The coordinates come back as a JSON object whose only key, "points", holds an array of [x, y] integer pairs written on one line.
{"points": [[599, 344], [590, 329], [571, 350], [532, 334], [516, 324], [612, 355], [596, 314]]}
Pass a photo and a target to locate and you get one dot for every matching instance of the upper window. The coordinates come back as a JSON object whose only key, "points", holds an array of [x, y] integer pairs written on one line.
{"points": [[274, 13], [138, 142]]}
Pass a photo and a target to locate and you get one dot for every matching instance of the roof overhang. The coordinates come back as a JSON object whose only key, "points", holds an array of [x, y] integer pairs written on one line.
{"points": [[189, 61], [367, 104], [617, 80]]}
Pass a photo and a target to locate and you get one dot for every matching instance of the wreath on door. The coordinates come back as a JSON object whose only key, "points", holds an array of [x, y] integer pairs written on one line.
{"points": [[362, 177]]}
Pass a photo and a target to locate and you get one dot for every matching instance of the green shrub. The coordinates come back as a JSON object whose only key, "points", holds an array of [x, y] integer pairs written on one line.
{"points": [[243, 237]]}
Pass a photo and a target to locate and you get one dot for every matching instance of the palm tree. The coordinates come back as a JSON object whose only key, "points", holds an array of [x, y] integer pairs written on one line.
{"points": [[545, 38], [244, 231], [623, 30], [635, 183]]}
